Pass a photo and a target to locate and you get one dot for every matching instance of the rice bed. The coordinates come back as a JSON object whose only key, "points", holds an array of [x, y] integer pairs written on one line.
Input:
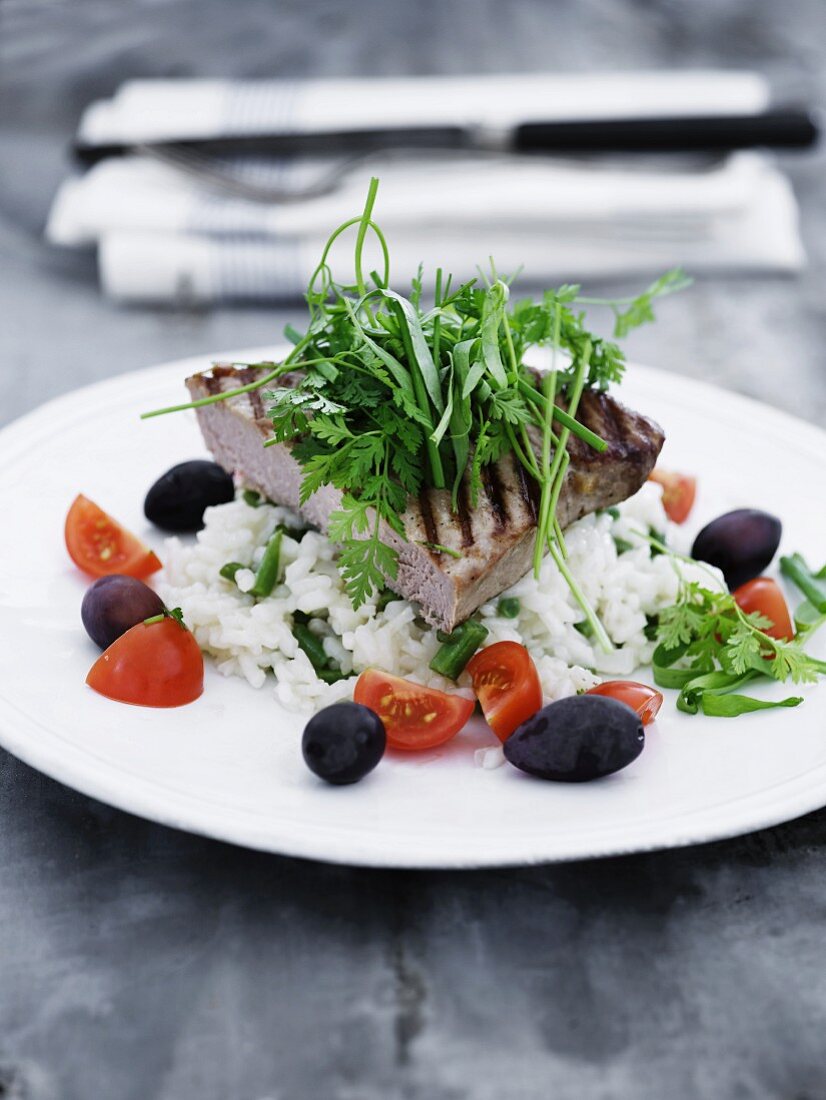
{"points": [[254, 639]]}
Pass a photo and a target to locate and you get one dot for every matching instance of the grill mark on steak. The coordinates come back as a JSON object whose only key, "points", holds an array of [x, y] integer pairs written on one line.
{"points": [[248, 375], [528, 489], [463, 514], [609, 420], [495, 495], [428, 517]]}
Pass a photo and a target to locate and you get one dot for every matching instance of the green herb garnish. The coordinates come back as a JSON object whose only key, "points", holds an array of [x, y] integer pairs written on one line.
{"points": [[394, 397], [439, 549], [709, 648], [175, 614]]}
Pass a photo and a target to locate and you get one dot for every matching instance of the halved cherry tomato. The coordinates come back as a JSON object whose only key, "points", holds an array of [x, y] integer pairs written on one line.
{"points": [[98, 544], [414, 717], [507, 685], [764, 595], [679, 492], [154, 664], [645, 700]]}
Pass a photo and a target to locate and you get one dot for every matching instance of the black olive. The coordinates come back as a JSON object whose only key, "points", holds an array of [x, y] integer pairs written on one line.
{"points": [[115, 603], [740, 543], [177, 500], [343, 742], [576, 739]]}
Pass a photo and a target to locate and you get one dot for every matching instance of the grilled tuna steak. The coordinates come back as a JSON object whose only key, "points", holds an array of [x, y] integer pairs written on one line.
{"points": [[495, 539]]}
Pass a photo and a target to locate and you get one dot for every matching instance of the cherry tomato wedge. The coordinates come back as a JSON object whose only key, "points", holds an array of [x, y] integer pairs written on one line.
{"points": [[98, 544], [764, 595], [414, 717], [507, 685], [645, 700], [679, 492], [154, 664]]}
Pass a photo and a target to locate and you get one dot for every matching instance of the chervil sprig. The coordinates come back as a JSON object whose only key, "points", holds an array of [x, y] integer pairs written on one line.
{"points": [[709, 648]]}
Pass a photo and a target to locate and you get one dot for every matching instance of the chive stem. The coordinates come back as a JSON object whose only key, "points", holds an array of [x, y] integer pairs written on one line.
{"points": [[548, 391], [591, 616], [565, 419], [364, 222]]}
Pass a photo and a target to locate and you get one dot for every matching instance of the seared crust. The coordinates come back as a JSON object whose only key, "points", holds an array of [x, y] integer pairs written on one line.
{"points": [[493, 536]]}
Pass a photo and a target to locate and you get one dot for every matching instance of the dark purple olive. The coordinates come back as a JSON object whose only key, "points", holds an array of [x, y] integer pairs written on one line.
{"points": [[178, 499], [343, 742], [115, 603], [576, 739], [740, 543]]}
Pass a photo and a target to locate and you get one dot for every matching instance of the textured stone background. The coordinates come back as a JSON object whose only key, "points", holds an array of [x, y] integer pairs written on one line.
{"points": [[138, 963]]}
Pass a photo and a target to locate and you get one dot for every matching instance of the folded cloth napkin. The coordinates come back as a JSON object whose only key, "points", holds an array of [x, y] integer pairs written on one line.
{"points": [[165, 235], [173, 110]]}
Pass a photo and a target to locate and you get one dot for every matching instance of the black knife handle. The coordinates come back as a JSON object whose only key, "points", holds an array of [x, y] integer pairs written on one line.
{"points": [[786, 128]]}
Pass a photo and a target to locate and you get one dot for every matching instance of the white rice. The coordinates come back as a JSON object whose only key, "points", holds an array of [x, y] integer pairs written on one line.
{"points": [[254, 639]]}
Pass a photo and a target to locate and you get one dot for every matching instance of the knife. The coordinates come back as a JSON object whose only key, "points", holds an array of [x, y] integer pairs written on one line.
{"points": [[779, 128]]}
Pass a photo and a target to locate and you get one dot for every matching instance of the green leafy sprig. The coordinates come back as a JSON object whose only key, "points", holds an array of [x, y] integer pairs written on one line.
{"points": [[709, 648], [393, 397]]}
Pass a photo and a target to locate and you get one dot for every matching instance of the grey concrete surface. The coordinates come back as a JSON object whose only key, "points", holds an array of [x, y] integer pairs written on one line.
{"points": [[138, 963]]}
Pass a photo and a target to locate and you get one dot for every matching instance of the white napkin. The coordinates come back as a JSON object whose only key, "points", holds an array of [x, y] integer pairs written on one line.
{"points": [[167, 236], [169, 110], [459, 194], [187, 267]]}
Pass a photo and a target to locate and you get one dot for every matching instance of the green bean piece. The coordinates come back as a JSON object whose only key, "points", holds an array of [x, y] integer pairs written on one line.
{"points": [[296, 533], [458, 648], [386, 596], [812, 587], [266, 576], [312, 646], [330, 675], [229, 570], [509, 607]]}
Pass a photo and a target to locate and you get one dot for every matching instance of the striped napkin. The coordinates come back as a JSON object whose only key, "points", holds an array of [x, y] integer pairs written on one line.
{"points": [[163, 235]]}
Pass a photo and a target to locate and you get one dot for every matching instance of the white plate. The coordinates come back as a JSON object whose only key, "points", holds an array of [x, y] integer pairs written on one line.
{"points": [[229, 765]]}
